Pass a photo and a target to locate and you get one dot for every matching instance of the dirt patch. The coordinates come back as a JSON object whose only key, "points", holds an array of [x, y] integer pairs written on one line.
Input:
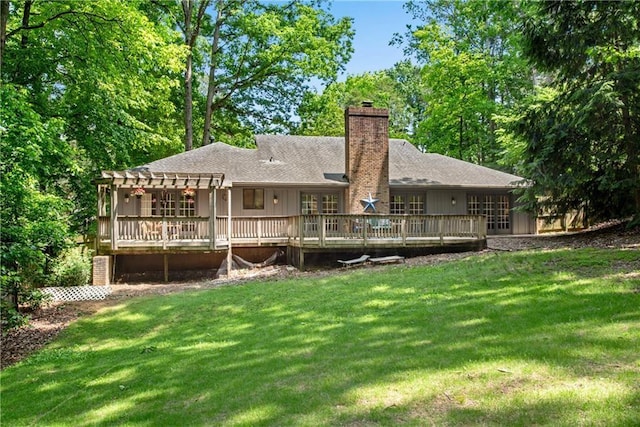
{"points": [[47, 322]]}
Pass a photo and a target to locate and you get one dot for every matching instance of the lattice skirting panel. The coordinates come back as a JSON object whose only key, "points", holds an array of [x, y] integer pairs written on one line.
{"points": [[78, 293]]}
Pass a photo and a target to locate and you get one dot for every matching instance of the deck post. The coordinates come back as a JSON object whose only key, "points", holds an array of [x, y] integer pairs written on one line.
{"points": [[114, 217], [441, 230], [229, 232], [323, 229], [164, 233], [212, 216], [403, 230], [365, 226], [301, 230], [301, 259], [165, 261]]}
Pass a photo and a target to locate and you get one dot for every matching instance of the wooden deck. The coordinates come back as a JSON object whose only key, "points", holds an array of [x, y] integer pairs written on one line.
{"points": [[303, 232]]}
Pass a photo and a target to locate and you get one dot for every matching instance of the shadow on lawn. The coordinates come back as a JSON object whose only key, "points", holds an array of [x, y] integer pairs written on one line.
{"points": [[283, 353]]}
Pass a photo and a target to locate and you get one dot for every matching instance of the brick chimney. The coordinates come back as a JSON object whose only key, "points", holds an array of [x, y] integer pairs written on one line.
{"points": [[367, 158]]}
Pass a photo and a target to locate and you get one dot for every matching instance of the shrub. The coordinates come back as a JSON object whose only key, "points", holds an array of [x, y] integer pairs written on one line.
{"points": [[10, 318], [33, 299], [71, 268]]}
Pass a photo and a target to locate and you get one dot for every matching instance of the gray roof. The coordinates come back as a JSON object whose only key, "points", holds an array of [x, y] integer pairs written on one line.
{"points": [[319, 160]]}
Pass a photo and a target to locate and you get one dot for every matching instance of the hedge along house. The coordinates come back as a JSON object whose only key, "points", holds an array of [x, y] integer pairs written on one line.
{"points": [[362, 193]]}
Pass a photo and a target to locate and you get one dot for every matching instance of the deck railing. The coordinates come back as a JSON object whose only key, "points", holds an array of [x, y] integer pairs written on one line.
{"points": [[303, 230], [260, 227], [325, 228]]}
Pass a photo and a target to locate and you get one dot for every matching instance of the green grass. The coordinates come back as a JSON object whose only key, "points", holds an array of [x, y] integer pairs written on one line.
{"points": [[529, 338]]}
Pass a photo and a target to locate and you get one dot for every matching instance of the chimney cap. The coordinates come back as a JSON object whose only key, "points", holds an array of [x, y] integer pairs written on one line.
{"points": [[367, 104]]}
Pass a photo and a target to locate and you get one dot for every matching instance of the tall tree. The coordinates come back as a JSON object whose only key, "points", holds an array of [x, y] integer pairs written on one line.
{"points": [[473, 69], [193, 15], [581, 139], [396, 89], [85, 86], [252, 61]]}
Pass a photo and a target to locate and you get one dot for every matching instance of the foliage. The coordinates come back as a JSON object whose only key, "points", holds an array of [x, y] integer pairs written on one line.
{"points": [[546, 338], [35, 213], [252, 60], [34, 299], [85, 86], [579, 137], [71, 268], [394, 89], [10, 318], [473, 69]]}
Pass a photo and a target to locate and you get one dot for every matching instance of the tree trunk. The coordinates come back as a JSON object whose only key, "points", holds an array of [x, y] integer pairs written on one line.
{"points": [[188, 104], [187, 8], [211, 86], [631, 147], [4, 17], [26, 16]]}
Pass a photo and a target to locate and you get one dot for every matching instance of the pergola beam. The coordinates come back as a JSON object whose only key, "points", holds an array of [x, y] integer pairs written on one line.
{"points": [[133, 178]]}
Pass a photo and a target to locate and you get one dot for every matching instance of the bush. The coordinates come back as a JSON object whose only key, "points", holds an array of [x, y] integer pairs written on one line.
{"points": [[33, 299], [10, 318], [72, 268]]}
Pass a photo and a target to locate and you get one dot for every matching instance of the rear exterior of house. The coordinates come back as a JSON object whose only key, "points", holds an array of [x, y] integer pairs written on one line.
{"points": [[302, 195]]}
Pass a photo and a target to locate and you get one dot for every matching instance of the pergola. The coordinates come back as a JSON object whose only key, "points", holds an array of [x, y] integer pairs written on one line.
{"points": [[111, 182]]}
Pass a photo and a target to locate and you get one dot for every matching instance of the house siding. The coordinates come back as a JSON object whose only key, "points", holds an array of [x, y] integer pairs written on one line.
{"points": [[439, 202]]}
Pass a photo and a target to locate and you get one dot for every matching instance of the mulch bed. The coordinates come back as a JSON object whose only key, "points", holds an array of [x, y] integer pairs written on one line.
{"points": [[46, 323]]}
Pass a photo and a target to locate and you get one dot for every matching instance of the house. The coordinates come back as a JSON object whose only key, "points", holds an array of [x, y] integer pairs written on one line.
{"points": [[304, 194]]}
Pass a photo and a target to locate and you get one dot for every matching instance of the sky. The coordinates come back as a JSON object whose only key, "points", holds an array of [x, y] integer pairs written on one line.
{"points": [[375, 23]]}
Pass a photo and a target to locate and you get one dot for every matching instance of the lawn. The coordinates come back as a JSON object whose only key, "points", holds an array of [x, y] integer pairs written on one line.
{"points": [[527, 338]]}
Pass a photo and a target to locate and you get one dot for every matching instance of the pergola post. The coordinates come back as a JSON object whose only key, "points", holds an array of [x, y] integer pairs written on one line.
{"points": [[114, 217], [213, 195]]}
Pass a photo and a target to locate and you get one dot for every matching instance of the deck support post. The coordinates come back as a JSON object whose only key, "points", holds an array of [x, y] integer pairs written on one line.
{"points": [[301, 259], [165, 260], [323, 230]]}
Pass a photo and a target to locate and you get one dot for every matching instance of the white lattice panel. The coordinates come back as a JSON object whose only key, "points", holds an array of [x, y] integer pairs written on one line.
{"points": [[78, 293]]}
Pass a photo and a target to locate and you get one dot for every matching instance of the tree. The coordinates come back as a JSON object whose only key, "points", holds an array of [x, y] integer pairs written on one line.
{"points": [[396, 89], [85, 86], [580, 136], [257, 58], [34, 215], [473, 69]]}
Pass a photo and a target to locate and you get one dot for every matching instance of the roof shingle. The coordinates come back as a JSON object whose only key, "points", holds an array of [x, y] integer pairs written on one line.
{"points": [[315, 160]]}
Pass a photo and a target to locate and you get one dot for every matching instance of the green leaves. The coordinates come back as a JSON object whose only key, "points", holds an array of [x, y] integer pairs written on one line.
{"points": [[582, 145], [473, 70]]}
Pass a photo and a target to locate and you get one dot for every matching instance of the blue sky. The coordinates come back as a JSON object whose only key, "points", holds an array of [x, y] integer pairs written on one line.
{"points": [[375, 23]]}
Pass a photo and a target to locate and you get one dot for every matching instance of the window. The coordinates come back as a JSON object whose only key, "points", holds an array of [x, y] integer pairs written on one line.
{"points": [[187, 206], [496, 208], [146, 204], [397, 205], [253, 198], [489, 212], [330, 203], [412, 204], [473, 205], [416, 204], [309, 204], [503, 213], [330, 206]]}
